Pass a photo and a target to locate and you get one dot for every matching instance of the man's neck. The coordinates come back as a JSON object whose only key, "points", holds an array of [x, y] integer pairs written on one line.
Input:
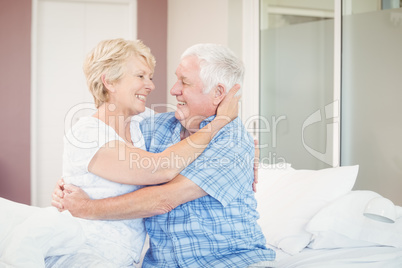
{"points": [[189, 127], [184, 133]]}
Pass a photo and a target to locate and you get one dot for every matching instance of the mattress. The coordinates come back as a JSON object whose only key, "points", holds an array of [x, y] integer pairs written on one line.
{"points": [[366, 257]]}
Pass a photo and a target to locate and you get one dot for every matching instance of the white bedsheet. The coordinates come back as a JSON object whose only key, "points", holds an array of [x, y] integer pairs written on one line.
{"points": [[28, 234], [32, 246], [365, 257]]}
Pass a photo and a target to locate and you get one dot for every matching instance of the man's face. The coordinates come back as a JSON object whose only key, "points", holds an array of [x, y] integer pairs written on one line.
{"points": [[193, 105]]}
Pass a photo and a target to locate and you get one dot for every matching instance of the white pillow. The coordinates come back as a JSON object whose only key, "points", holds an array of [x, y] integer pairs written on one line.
{"points": [[342, 224], [289, 198], [272, 172]]}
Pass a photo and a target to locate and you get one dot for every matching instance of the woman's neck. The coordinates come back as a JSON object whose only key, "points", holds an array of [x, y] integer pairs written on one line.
{"points": [[117, 120]]}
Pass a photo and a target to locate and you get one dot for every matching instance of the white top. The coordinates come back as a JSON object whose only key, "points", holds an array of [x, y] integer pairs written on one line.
{"points": [[119, 241]]}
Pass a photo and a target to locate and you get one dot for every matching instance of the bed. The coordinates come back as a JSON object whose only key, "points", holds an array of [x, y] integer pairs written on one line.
{"points": [[313, 218], [365, 257]]}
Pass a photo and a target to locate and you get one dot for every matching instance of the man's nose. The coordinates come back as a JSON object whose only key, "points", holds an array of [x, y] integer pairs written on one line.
{"points": [[176, 89]]}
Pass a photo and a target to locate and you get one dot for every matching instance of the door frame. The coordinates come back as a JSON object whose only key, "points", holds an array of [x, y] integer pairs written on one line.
{"points": [[250, 104]]}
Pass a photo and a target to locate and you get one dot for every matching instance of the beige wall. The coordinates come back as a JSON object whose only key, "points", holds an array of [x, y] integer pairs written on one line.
{"points": [[191, 22], [152, 29], [15, 85]]}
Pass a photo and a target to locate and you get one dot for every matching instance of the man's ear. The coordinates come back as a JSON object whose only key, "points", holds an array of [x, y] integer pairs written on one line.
{"points": [[107, 84], [219, 94]]}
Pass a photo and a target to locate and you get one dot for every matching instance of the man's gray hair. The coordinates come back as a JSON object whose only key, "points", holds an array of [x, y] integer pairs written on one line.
{"points": [[218, 64]]}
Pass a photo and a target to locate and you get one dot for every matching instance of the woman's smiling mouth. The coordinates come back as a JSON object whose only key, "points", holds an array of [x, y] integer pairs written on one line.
{"points": [[141, 97]]}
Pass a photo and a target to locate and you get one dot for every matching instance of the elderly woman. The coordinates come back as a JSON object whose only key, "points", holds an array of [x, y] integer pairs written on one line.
{"points": [[102, 154]]}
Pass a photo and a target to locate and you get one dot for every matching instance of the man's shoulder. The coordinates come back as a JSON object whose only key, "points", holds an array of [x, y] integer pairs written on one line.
{"points": [[237, 132]]}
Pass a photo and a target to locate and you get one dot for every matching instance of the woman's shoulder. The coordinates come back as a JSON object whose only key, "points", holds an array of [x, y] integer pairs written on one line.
{"points": [[89, 132], [84, 124]]}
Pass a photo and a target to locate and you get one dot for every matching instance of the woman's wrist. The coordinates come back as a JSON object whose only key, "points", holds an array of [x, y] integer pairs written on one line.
{"points": [[218, 123]]}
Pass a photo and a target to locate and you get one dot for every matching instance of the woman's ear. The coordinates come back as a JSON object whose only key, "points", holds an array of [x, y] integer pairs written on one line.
{"points": [[107, 84], [219, 93]]}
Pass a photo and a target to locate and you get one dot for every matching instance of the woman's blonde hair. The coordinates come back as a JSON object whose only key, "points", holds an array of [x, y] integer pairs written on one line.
{"points": [[108, 58]]}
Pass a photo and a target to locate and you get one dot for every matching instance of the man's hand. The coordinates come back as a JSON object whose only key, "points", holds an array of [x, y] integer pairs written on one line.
{"points": [[71, 198], [256, 164], [76, 201]]}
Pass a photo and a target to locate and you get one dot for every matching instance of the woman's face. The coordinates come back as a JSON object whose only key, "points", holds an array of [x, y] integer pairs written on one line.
{"points": [[131, 90]]}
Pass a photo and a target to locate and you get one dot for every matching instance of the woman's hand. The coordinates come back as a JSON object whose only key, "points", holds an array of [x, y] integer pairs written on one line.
{"points": [[256, 164], [229, 106], [58, 195]]}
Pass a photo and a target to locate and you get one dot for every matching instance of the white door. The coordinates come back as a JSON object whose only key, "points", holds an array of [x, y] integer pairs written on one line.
{"points": [[63, 32]]}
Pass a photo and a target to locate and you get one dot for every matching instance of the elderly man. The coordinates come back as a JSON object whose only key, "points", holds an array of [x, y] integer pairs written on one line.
{"points": [[206, 216]]}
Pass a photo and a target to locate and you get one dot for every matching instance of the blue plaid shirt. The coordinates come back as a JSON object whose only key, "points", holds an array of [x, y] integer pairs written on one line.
{"points": [[217, 230]]}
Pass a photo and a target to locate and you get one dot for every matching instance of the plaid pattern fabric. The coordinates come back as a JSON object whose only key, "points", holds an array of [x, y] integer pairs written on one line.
{"points": [[220, 229]]}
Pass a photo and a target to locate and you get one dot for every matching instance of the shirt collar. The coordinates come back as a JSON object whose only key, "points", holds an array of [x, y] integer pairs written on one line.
{"points": [[207, 121]]}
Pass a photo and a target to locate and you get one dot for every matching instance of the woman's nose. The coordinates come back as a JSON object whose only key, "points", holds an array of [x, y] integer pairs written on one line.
{"points": [[150, 85]]}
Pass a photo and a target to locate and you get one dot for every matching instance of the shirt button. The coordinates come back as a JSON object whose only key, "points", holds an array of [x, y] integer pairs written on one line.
{"points": [[174, 239]]}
